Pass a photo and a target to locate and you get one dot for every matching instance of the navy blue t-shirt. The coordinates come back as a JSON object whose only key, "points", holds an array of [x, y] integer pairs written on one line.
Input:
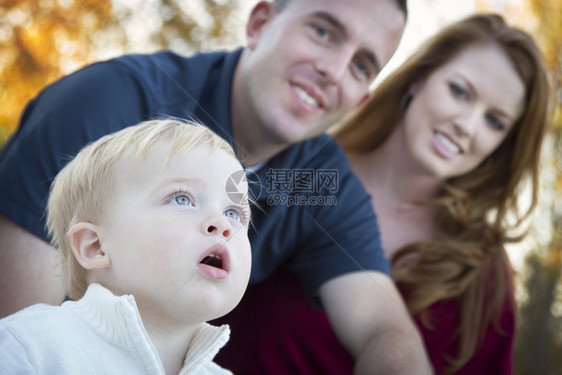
{"points": [[311, 212]]}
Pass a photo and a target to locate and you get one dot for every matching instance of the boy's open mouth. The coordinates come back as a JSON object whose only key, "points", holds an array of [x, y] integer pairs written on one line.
{"points": [[213, 260]]}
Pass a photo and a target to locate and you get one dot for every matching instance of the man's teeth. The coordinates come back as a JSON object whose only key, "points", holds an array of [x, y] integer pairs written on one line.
{"points": [[305, 97], [446, 142]]}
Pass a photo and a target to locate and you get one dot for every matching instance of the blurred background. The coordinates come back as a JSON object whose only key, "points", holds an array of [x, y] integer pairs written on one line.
{"points": [[42, 40]]}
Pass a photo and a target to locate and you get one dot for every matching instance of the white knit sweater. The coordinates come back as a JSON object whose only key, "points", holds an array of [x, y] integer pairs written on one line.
{"points": [[99, 334]]}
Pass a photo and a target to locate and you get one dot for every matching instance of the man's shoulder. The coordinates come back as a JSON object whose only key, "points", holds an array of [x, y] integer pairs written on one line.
{"points": [[168, 64], [175, 84]]}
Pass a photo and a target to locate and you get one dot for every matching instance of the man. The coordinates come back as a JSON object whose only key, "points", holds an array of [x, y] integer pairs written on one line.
{"points": [[307, 63]]}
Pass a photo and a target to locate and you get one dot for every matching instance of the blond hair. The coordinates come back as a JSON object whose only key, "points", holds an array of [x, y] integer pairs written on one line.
{"points": [[473, 208], [81, 190]]}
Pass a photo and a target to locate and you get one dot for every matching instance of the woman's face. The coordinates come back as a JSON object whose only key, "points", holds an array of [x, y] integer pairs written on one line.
{"points": [[463, 111]]}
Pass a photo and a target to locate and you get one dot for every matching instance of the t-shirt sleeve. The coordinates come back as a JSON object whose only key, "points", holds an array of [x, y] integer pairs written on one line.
{"points": [[340, 233], [74, 111]]}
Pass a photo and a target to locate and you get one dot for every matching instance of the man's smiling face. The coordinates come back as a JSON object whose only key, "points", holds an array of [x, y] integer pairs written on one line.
{"points": [[308, 65]]}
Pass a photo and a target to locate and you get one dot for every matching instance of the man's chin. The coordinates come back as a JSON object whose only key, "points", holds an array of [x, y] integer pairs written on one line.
{"points": [[297, 134]]}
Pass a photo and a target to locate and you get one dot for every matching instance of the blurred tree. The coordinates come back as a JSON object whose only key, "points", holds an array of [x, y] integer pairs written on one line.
{"points": [[41, 40], [539, 341], [538, 344], [201, 25], [539, 337]]}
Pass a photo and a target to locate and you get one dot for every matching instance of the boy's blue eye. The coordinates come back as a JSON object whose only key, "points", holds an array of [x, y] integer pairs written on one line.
{"points": [[183, 200], [232, 214]]}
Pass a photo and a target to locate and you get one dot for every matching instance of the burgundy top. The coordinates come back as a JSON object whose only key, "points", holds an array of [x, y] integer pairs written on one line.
{"points": [[280, 333]]}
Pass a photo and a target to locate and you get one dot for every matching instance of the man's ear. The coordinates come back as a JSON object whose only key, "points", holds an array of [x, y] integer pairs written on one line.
{"points": [[86, 245], [261, 14], [364, 99]]}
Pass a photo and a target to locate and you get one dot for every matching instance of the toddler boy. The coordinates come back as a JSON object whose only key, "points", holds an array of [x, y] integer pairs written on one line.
{"points": [[152, 246]]}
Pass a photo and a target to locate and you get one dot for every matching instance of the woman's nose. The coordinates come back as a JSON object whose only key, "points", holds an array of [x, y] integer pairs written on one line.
{"points": [[466, 125]]}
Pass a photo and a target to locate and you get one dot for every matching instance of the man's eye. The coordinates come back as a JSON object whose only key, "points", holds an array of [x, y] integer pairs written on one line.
{"points": [[232, 214], [183, 200], [362, 69], [458, 92], [322, 32]]}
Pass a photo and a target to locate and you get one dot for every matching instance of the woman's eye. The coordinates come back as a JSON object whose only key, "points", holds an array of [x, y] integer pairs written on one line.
{"points": [[232, 214], [458, 92], [183, 200], [494, 122]]}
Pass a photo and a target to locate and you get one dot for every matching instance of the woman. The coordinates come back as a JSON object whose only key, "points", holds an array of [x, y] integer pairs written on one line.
{"points": [[443, 147]]}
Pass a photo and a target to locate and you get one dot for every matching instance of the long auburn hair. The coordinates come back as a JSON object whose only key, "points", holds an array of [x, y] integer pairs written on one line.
{"points": [[473, 209]]}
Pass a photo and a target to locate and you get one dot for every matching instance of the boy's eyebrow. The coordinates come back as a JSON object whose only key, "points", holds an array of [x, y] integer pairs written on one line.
{"points": [[335, 23], [178, 180], [192, 181]]}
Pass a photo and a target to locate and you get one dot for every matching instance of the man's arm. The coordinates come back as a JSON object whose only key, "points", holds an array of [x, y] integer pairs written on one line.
{"points": [[369, 317], [28, 270]]}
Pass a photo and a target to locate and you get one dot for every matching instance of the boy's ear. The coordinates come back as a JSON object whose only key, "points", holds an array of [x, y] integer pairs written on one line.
{"points": [[262, 13], [86, 245]]}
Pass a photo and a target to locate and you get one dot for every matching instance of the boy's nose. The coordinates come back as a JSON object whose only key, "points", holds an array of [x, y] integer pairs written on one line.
{"points": [[217, 225]]}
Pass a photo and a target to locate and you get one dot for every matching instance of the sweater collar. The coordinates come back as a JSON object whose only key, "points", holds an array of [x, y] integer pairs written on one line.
{"points": [[118, 321]]}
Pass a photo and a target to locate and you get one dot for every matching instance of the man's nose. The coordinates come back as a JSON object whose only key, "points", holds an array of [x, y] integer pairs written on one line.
{"points": [[333, 66]]}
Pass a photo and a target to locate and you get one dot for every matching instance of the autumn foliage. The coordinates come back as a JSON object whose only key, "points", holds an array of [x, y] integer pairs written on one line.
{"points": [[41, 40]]}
